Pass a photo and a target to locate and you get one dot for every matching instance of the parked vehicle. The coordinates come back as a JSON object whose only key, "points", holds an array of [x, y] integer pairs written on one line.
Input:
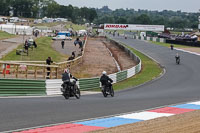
{"points": [[70, 89], [82, 32], [61, 37], [66, 33]]}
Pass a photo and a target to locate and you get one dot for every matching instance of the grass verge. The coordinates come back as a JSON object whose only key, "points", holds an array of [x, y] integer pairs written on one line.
{"points": [[75, 26], [49, 24], [40, 53], [5, 35], [168, 45]]}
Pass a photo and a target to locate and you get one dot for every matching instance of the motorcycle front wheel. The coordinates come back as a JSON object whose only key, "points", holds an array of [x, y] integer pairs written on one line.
{"points": [[66, 96], [66, 93], [77, 92]]}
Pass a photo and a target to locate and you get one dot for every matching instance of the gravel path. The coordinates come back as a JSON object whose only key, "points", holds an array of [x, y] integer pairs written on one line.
{"points": [[68, 47], [7, 45]]}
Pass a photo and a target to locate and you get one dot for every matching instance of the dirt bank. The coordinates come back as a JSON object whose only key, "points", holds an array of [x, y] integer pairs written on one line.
{"points": [[95, 60]]}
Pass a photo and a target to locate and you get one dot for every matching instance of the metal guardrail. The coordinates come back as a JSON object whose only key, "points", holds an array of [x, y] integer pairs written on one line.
{"points": [[53, 86], [16, 87]]}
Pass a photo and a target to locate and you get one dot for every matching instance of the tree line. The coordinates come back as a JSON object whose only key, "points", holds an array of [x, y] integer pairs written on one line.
{"points": [[173, 19], [46, 8], [50, 8]]}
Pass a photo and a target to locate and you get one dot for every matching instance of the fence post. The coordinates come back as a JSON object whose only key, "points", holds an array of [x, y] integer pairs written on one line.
{"points": [[56, 72], [35, 74], [44, 72], [26, 72], [50, 73], [17, 70]]}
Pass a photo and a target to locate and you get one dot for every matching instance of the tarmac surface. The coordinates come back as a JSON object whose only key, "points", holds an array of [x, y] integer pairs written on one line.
{"points": [[179, 84]]}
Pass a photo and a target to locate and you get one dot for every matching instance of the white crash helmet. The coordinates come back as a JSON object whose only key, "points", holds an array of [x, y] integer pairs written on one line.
{"points": [[66, 70], [104, 72]]}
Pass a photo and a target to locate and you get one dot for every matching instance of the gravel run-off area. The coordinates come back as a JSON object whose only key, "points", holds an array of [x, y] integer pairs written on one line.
{"points": [[97, 58], [182, 123]]}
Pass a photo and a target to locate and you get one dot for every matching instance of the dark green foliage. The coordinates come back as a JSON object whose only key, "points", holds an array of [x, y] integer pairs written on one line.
{"points": [[174, 19], [48, 8]]}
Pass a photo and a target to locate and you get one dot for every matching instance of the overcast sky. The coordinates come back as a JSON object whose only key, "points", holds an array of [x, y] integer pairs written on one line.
{"points": [[183, 5]]}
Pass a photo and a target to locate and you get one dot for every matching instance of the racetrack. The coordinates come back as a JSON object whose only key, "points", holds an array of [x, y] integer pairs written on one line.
{"points": [[179, 84]]}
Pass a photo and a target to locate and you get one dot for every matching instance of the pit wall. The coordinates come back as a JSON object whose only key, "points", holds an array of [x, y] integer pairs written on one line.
{"points": [[19, 87]]}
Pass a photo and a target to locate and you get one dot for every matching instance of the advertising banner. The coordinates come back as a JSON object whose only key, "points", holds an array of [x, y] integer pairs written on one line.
{"points": [[135, 27]]}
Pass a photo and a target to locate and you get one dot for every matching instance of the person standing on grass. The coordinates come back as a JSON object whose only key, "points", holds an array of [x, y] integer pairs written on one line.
{"points": [[26, 47], [172, 46], [48, 62], [63, 44]]}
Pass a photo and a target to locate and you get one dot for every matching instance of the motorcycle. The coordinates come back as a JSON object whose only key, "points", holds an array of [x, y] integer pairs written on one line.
{"points": [[70, 89], [106, 90], [178, 61]]}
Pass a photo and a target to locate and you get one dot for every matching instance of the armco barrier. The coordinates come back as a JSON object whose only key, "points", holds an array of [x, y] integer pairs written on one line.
{"points": [[155, 39], [15, 87], [53, 85]]}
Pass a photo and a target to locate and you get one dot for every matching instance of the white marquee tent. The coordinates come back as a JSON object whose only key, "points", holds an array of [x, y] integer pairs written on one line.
{"points": [[16, 29]]}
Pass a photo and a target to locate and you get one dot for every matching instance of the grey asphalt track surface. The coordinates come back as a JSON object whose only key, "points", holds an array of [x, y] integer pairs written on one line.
{"points": [[179, 84]]}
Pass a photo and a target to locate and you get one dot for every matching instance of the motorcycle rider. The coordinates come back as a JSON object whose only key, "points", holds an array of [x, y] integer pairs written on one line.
{"points": [[105, 80], [66, 76], [177, 57]]}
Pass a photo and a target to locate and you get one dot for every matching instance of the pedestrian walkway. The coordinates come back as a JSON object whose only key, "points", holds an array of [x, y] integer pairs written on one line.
{"points": [[69, 47], [7, 45]]}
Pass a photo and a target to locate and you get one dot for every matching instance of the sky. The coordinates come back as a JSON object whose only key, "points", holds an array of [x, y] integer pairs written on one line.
{"points": [[183, 5]]}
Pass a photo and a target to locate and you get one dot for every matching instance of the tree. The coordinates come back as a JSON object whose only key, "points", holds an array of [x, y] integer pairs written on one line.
{"points": [[92, 15], [22, 7], [143, 19], [5, 7]]}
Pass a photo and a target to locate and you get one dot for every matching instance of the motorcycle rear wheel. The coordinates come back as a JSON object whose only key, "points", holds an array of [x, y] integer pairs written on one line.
{"points": [[66, 96], [104, 93], [112, 92]]}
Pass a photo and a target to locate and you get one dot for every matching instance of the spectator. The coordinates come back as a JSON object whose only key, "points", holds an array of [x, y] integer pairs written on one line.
{"points": [[34, 44], [48, 62], [73, 54], [63, 43], [26, 47], [172, 46], [76, 41]]}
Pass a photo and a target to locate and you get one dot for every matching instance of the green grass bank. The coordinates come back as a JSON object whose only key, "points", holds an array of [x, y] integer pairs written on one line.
{"points": [[43, 50]]}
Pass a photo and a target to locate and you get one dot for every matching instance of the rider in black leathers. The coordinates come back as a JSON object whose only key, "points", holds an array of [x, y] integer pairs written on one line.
{"points": [[177, 57], [105, 80], [66, 76]]}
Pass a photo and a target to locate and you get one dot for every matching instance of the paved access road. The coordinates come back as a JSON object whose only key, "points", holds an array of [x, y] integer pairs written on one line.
{"points": [[179, 84]]}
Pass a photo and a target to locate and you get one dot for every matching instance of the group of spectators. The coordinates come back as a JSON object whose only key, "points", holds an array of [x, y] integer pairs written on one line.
{"points": [[29, 43], [182, 37]]}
